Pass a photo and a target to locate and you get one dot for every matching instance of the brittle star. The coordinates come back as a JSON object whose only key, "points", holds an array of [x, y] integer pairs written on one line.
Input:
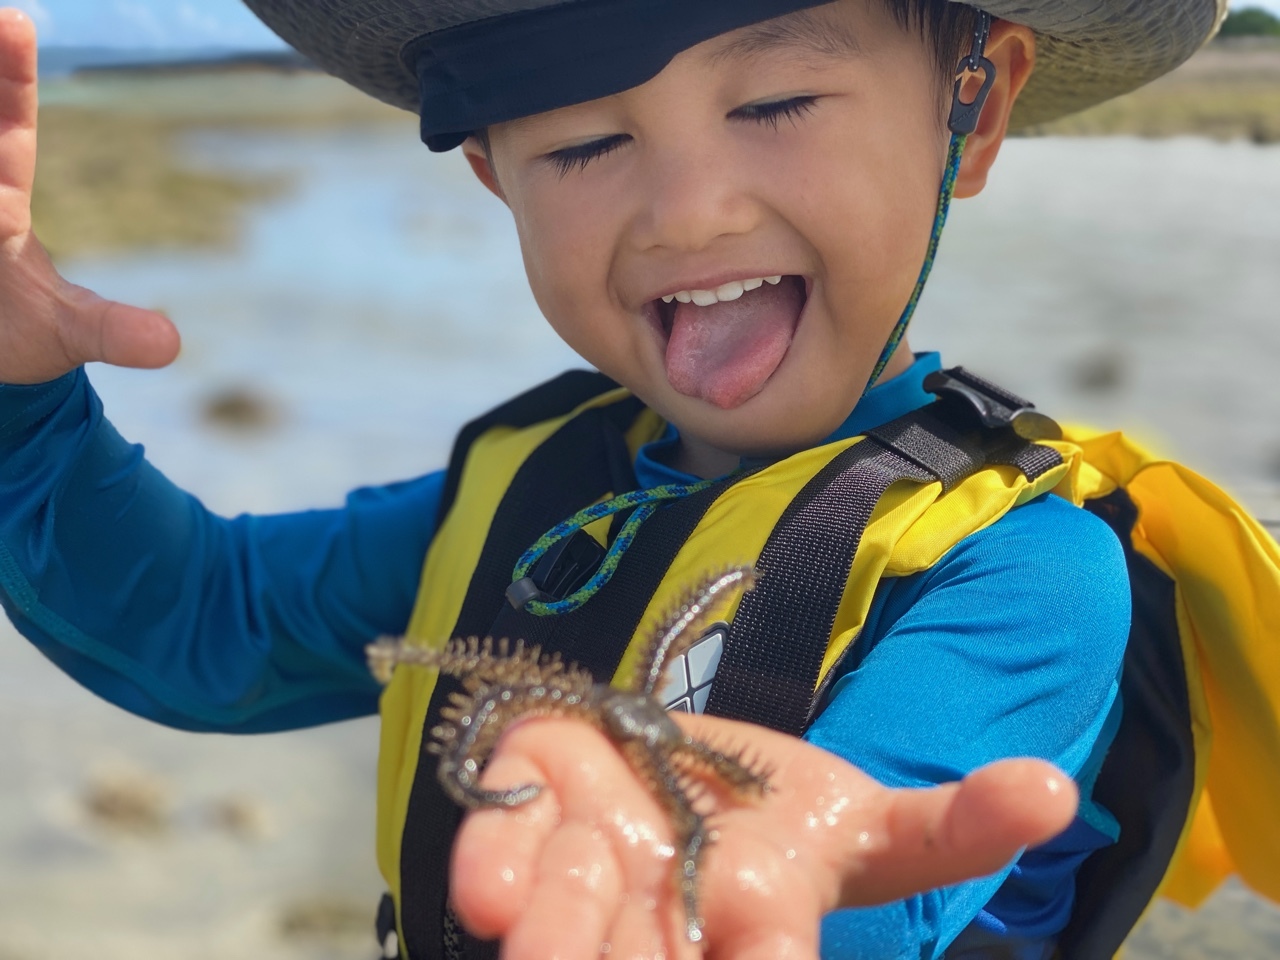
{"points": [[503, 682]]}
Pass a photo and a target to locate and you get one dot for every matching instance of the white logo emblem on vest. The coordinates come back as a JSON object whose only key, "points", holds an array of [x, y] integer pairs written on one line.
{"points": [[688, 678]]}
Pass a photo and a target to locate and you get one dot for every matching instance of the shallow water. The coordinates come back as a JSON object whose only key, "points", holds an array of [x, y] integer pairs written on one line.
{"points": [[1128, 283], [1120, 282], [381, 302]]}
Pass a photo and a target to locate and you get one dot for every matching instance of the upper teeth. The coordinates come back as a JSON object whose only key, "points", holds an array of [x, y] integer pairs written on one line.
{"points": [[723, 294]]}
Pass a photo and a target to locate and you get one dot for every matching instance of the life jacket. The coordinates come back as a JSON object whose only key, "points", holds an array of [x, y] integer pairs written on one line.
{"points": [[1193, 775]]}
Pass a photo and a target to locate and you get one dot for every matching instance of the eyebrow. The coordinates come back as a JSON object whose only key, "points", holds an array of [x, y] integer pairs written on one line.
{"points": [[801, 33]]}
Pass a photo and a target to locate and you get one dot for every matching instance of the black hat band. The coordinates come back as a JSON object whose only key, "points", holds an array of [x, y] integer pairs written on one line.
{"points": [[519, 64]]}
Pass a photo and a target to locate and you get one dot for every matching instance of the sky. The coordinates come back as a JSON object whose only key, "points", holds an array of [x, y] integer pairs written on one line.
{"points": [[187, 23], [147, 23]]}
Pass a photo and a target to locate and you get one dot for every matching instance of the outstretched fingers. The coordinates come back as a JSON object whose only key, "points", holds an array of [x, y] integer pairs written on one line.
{"points": [[48, 326], [18, 108], [589, 861], [494, 868], [576, 901], [762, 901]]}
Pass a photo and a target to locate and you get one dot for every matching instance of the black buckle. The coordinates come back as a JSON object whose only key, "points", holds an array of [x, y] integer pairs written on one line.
{"points": [[964, 116], [996, 409], [564, 569]]}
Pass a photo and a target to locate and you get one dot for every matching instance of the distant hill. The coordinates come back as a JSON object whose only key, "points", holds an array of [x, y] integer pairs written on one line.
{"points": [[63, 61]]}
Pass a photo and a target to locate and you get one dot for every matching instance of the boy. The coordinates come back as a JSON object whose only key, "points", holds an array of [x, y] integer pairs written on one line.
{"points": [[723, 207]]}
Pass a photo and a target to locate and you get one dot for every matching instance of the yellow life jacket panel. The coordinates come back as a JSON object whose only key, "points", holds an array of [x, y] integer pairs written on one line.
{"points": [[888, 507]]}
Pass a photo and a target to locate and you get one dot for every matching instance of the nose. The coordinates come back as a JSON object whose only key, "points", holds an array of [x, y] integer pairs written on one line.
{"points": [[692, 197]]}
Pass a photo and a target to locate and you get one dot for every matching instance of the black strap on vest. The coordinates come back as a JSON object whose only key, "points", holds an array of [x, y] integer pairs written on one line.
{"points": [[769, 673], [552, 399], [577, 464], [806, 562], [779, 636]]}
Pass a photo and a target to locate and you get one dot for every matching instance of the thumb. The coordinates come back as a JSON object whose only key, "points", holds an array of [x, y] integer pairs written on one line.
{"points": [[943, 835], [1004, 807], [93, 328]]}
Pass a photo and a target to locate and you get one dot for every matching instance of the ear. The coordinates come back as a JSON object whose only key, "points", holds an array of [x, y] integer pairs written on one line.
{"points": [[1012, 48], [482, 166]]}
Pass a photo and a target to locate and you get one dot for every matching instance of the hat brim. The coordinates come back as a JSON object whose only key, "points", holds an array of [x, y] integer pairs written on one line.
{"points": [[1088, 51]]}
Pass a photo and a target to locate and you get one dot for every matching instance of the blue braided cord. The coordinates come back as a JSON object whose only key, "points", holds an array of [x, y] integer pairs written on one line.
{"points": [[602, 576], [645, 502], [954, 154]]}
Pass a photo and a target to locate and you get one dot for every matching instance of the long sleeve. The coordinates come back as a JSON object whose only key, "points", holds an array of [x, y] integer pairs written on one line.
{"points": [[1011, 646], [132, 587]]}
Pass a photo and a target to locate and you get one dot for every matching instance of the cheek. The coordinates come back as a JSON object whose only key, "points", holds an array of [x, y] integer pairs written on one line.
{"points": [[872, 217], [566, 257]]}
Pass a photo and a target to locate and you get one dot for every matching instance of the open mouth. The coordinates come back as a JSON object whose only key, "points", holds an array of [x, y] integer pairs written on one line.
{"points": [[723, 345]]}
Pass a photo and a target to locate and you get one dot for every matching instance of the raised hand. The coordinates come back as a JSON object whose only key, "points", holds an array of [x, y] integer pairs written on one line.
{"points": [[47, 325], [589, 861]]}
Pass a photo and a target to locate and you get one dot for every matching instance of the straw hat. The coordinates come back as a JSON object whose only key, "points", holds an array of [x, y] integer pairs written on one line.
{"points": [[463, 64]]}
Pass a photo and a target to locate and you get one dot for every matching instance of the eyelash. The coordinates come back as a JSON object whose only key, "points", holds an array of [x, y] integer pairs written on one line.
{"points": [[576, 158], [771, 114]]}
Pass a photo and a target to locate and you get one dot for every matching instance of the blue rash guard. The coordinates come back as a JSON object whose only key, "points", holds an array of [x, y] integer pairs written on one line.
{"points": [[1011, 645]]}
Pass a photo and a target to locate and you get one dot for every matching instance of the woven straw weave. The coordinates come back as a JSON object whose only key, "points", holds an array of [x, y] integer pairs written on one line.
{"points": [[1089, 50]]}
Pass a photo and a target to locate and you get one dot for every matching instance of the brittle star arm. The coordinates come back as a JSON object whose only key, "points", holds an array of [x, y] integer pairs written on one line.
{"points": [[474, 723], [744, 777], [683, 627], [690, 827]]}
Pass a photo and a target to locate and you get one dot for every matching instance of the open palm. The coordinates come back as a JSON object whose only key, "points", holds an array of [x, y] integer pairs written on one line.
{"points": [[48, 326], [590, 861]]}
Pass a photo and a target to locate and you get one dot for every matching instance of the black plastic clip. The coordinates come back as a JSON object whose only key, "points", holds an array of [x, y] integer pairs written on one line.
{"points": [[995, 408], [565, 568], [525, 590], [964, 116]]}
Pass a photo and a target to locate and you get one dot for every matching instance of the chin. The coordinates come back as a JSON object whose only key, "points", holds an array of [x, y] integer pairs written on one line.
{"points": [[756, 428]]}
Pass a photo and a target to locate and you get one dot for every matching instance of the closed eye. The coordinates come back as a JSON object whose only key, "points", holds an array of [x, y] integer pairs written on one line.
{"points": [[568, 159], [792, 109]]}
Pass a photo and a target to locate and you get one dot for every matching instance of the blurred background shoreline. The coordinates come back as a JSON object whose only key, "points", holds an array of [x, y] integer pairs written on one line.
{"points": [[348, 301]]}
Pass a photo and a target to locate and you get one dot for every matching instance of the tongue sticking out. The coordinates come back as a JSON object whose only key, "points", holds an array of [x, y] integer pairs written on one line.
{"points": [[724, 353]]}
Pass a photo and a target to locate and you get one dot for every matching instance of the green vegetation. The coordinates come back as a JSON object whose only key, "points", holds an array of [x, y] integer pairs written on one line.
{"points": [[108, 182], [113, 173], [1251, 22]]}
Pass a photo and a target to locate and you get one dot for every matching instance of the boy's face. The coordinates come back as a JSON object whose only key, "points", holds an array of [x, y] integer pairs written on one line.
{"points": [[809, 148]]}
